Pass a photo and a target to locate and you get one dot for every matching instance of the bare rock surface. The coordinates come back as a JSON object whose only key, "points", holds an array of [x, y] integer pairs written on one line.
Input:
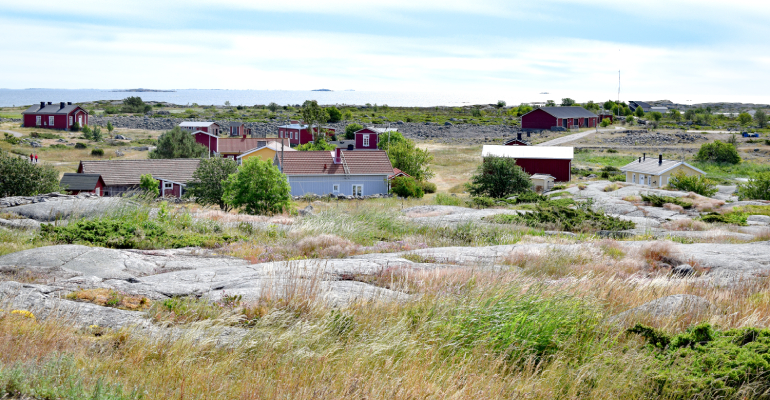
{"points": [[446, 215], [20, 223], [67, 207]]}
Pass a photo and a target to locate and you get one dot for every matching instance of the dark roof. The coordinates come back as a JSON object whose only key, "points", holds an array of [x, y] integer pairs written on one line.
{"points": [[322, 163], [51, 109], [514, 140], [566, 112], [128, 172], [641, 104], [236, 123], [72, 181], [653, 167], [242, 145]]}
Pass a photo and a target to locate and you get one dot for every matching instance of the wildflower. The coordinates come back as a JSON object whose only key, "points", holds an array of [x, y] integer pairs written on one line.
{"points": [[24, 313]]}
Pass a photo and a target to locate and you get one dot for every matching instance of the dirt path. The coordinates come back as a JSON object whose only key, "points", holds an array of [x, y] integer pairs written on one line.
{"points": [[16, 134], [573, 137]]}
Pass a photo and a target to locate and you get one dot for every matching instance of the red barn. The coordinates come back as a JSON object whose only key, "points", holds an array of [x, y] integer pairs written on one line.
{"points": [[369, 137], [552, 160], [299, 134], [53, 116], [545, 118]]}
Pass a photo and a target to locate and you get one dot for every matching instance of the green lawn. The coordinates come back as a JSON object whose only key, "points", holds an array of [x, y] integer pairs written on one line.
{"points": [[727, 171], [603, 160]]}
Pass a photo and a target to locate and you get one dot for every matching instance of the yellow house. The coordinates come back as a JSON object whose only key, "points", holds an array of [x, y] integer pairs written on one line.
{"points": [[656, 172], [266, 152]]}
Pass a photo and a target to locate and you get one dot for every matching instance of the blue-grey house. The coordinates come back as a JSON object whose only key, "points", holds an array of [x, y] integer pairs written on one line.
{"points": [[350, 173]]}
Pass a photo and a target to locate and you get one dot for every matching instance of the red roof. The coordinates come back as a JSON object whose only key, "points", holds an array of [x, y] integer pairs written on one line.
{"points": [[241, 145], [397, 172], [322, 163]]}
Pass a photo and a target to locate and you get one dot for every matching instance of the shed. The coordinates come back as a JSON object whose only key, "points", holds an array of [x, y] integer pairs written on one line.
{"points": [[369, 137], [542, 182], [82, 183], [299, 133], [544, 118], [656, 172], [551, 160]]}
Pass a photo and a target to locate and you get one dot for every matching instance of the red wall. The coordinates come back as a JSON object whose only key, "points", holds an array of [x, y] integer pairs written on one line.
{"points": [[559, 169], [373, 139], [205, 139], [538, 119], [61, 121], [176, 191]]}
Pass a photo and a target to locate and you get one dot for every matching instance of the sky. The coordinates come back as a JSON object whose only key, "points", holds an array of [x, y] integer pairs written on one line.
{"points": [[682, 50]]}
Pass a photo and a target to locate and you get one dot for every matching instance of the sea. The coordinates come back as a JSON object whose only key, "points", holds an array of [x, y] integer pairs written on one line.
{"points": [[25, 97]]}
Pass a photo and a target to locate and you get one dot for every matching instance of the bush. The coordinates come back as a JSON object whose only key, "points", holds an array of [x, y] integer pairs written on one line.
{"points": [[499, 177], [481, 202], [443, 199], [757, 188], [530, 197], [149, 185], [733, 217], [351, 129], [11, 139], [75, 127], [97, 152], [19, 177], [659, 201], [695, 183], [177, 143], [258, 187], [44, 135], [605, 123], [550, 215], [428, 187], [335, 115], [719, 152], [207, 185], [406, 186], [80, 145]]}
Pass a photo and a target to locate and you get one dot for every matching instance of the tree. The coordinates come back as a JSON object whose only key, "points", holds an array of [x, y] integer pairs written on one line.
{"points": [[177, 143], [656, 116], [757, 188], [335, 115], [627, 111], [605, 123], [316, 145], [96, 134], [272, 107], [689, 115], [567, 102], [550, 103], [110, 127], [760, 118], [258, 187], [609, 105], [630, 119], [591, 106], [744, 118], [674, 115], [347, 115], [19, 177], [149, 185], [135, 105], [639, 112], [406, 186], [86, 132], [523, 109], [351, 129], [207, 184], [314, 115], [406, 156], [718, 152], [499, 177]]}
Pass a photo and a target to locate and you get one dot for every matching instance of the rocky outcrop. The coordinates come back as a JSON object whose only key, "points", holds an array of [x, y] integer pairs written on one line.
{"points": [[44, 209]]}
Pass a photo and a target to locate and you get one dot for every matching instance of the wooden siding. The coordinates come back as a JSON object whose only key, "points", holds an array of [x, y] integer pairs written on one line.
{"points": [[538, 119], [373, 140], [321, 185], [206, 140], [658, 180], [559, 169]]}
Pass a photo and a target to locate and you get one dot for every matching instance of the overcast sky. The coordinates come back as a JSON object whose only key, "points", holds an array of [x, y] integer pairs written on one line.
{"points": [[677, 49]]}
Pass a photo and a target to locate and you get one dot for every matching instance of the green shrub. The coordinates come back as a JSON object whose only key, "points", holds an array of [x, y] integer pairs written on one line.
{"points": [[481, 202], [443, 199], [258, 187], [97, 152], [706, 363], [406, 186], [499, 177], [718, 152], [552, 215], [44, 135], [19, 177], [351, 129], [732, 217], [605, 123], [80, 145], [611, 151], [694, 183], [428, 187], [529, 197], [11, 139], [757, 188], [58, 146], [659, 201], [75, 127], [618, 178]]}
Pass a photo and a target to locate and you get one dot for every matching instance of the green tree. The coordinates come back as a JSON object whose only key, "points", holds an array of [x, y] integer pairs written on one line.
{"points": [[630, 119], [550, 103], [757, 188], [605, 123], [177, 143], [718, 152], [272, 107], [317, 145], [499, 177], [656, 116], [760, 117], [135, 105], [149, 185], [351, 129], [674, 115], [523, 109], [406, 186], [96, 134], [609, 105], [110, 127], [19, 177], [639, 112], [86, 132], [406, 156], [258, 187], [744, 118], [347, 115], [627, 111], [314, 115], [689, 115], [567, 102], [207, 185], [335, 115]]}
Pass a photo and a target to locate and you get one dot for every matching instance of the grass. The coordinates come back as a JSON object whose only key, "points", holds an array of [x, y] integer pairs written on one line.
{"points": [[603, 160], [561, 217], [728, 171]]}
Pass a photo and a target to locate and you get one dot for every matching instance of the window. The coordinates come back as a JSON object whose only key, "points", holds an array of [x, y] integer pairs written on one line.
{"points": [[168, 185], [37, 120], [366, 140], [72, 119], [358, 190], [50, 120], [633, 178], [336, 188]]}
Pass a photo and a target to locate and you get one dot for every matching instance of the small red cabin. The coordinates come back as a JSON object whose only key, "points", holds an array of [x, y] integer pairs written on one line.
{"points": [[299, 134], [552, 160], [368, 138], [55, 116], [545, 118], [207, 139]]}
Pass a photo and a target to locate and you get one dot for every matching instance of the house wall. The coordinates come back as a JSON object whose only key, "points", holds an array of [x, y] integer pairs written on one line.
{"points": [[559, 169], [99, 189], [373, 140], [175, 191], [263, 154], [208, 141], [659, 180], [61, 121], [323, 184], [538, 119]]}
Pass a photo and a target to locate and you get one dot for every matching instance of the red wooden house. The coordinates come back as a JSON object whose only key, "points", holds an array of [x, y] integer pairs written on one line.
{"points": [[122, 176], [545, 118], [552, 160], [83, 183], [239, 129], [205, 126], [369, 137], [299, 133], [207, 139], [516, 142], [52, 116]]}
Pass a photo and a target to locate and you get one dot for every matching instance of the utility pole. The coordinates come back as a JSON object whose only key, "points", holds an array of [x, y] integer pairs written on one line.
{"points": [[618, 93], [279, 137]]}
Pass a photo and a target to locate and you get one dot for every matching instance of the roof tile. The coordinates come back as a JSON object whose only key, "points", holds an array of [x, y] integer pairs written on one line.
{"points": [[129, 172]]}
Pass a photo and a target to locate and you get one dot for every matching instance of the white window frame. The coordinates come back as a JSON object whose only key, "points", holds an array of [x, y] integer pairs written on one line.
{"points": [[38, 120], [50, 120], [366, 140], [357, 185], [72, 119], [336, 188], [168, 185], [633, 178]]}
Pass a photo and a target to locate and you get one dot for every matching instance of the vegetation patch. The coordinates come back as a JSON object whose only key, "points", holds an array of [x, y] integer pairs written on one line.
{"points": [[110, 298], [547, 215], [732, 217], [659, 201], [706, 363]]}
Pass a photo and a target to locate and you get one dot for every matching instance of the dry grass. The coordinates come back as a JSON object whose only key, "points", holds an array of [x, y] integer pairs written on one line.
{"points": [[673, 207], [111, 298], [686, 224], [704, 204]]}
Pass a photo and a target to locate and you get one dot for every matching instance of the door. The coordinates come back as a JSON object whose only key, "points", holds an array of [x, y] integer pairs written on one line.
{"points": [[80, 120], [358, 190]]}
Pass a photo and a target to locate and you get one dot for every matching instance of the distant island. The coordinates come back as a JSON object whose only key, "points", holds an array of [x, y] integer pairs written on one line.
{"points": [[321, 90], [143, 90]]}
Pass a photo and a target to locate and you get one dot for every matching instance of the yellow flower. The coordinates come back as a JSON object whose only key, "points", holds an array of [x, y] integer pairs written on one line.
{"points": [[24, 313]]}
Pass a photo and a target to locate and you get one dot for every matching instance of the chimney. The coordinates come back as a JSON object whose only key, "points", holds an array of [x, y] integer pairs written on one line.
{"points": [[660, 159], [49, 103], [69, 103], [61, 105], [640, 159], [644, 156], [338, 156], [518, 136], [42, 104], [527, 133]]}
